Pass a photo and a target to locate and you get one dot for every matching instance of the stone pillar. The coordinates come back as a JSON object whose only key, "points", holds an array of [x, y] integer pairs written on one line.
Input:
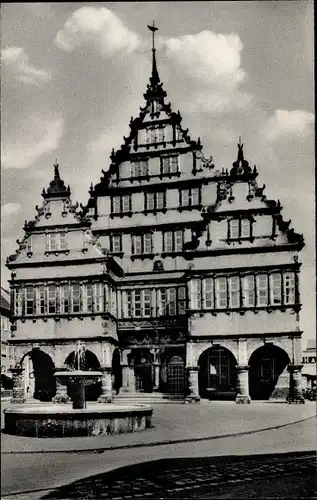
{"points": [[106, 385], [157, 366], [61, 396], [131, 378], [18, 394], [242, 396], [295, 385], [193, 390]]}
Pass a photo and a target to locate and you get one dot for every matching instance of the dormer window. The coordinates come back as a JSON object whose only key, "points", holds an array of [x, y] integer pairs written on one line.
{"points": [[56, 242], [169, 164], [139, 168], [239, 229]]}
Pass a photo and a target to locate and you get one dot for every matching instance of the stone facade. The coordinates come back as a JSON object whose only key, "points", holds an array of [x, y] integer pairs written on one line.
{"points": [[178, 277]]}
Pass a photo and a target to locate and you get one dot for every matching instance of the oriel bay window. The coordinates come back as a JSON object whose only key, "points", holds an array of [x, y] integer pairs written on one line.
{"points": [[139, 303], [208, 293], [190, 197], [262, 290], [64, 298], [141, 244], [173, 241], [136, 303], [154, 200], [248, 291], [234, 291], [276, 288], [221, 293]]}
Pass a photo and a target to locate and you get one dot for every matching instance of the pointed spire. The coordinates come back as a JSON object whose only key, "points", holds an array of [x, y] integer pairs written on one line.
{"points": [[155, 76]]}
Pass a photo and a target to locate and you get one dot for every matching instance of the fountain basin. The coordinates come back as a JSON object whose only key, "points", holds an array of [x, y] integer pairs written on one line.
{"points": [[52, 420]]}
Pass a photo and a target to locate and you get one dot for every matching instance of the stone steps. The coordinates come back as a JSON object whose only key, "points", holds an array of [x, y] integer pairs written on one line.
{"points": [[150, 398]]}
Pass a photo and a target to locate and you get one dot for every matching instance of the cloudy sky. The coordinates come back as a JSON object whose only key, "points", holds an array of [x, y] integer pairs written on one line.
{"points": [[73, 74]]}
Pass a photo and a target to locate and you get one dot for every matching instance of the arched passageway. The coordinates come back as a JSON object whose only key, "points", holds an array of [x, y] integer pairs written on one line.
{"points": [[89, 363], [267, 364], [217, 376], [116, 371], [44, 382]]}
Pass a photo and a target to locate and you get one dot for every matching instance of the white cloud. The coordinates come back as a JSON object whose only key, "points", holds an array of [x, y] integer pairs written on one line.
{"points": [[9, 209], [285, 123], [16, 61], [37, 135], [213, 62], [99, 27]]}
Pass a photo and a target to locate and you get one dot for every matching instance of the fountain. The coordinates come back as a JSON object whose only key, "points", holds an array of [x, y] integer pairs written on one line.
{"points": [[80, 419]]}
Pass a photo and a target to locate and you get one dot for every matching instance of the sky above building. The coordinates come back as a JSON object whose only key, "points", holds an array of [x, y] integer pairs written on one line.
{"points": [[73, 74]]}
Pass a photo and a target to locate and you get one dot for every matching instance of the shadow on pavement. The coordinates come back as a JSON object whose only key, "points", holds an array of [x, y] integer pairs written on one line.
{"points": [[290, 475]]}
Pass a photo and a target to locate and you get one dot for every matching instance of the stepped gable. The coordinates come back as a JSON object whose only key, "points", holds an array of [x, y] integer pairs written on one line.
{"points": [[155, 112]]}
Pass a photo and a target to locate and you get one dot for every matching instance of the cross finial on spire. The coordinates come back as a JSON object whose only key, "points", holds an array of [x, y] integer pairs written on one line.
{"points": [[155, 76], [56, 169]]}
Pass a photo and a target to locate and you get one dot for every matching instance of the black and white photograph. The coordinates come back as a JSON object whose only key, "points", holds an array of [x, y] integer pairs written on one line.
{"points": [[158, 267]]}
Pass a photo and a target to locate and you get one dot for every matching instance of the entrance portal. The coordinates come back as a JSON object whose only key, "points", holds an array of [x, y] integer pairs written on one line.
{"points": [[266, 366], [217, 376], [143, 370], [176, 375]]}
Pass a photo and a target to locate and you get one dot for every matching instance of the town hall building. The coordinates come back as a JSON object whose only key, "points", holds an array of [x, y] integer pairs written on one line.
{"points": [[180, 279]]}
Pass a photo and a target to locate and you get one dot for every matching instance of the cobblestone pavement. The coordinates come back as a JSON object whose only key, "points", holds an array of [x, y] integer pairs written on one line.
{"points": [[291, 475]]}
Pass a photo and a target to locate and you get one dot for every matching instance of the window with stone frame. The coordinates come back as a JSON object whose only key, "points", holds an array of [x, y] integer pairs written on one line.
{"points": [[146, 304], [154, 200], [56, 241], [137, 303], [170, 164], [208, 293], [195, 293], [76, 298], [141, 244], [121, 204], [52, 299], [276, 288], [65, 299], [239, 228], [181, 300], [289, 288], [18, 301], [155, 134], [248, 291], [262, 289], [98, 297], [167, 301], [173, 241], [190, 197], [140, 168], [115, 243], [234, 291], [221, 292], [87, 297], [30, 301]]}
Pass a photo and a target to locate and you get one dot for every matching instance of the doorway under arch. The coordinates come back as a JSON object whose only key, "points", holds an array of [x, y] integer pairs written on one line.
{"points": [[217, 375], [43, 375], [143, 371], [267, 363], [90, 363], [175, 375]]}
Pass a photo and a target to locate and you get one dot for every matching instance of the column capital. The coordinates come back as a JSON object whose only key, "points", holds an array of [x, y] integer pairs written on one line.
{"points": [[294, 368]]}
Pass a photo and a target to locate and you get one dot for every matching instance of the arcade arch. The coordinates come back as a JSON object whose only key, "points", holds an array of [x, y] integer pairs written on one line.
{"points": [[267, 366], [217, 374], [39, 377]]}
